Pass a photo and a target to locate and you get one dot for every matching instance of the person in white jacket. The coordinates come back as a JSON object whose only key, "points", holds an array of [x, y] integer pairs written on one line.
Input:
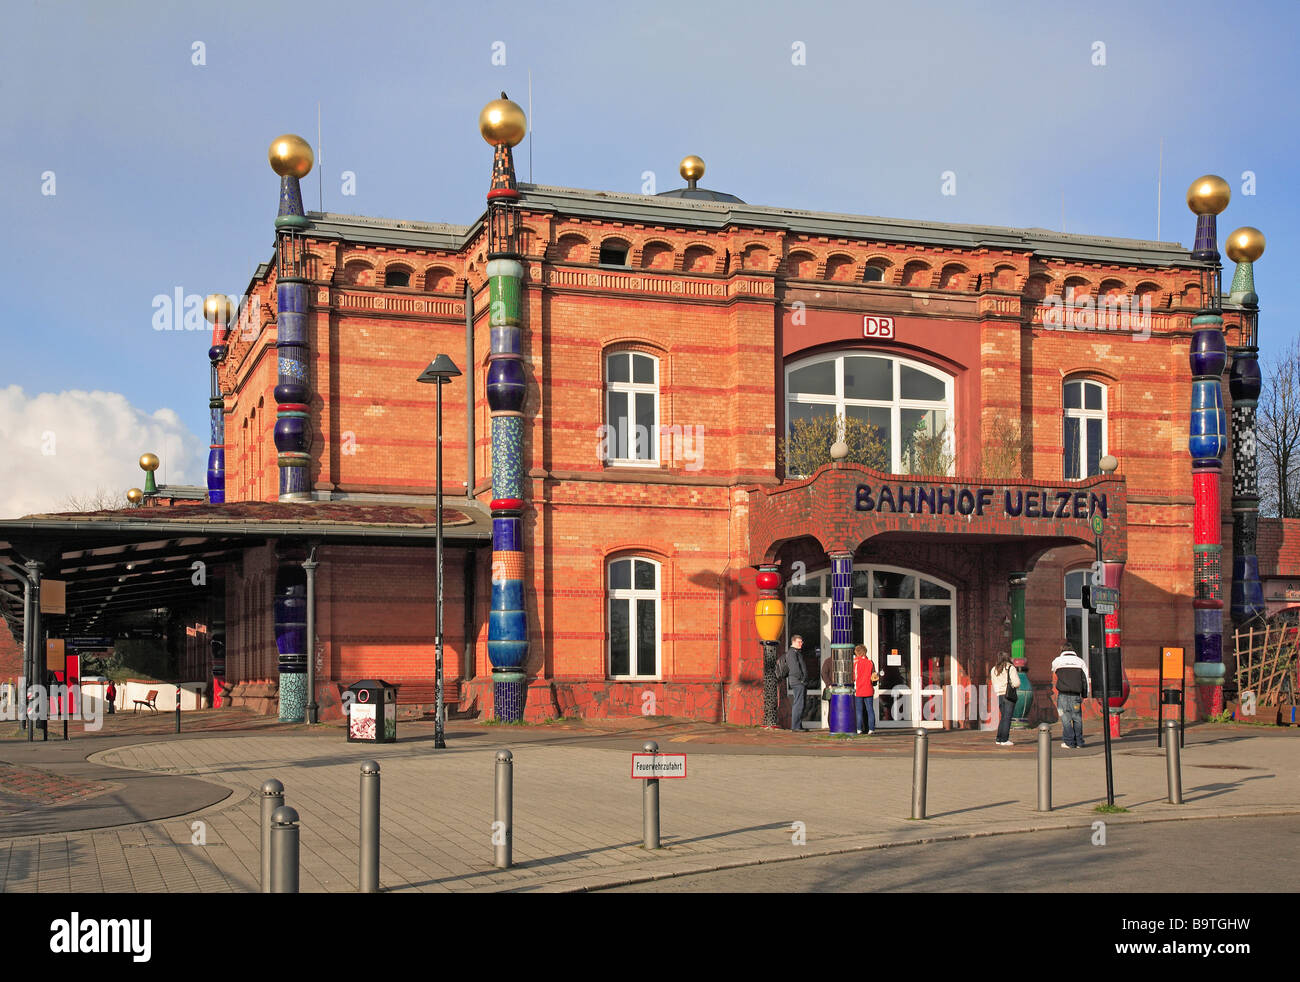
{"points": [[1004, 680]]}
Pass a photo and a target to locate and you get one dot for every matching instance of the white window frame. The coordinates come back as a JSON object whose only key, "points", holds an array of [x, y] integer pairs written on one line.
{"points": [[630, 596], [895, 406], [1076, 603], [629, 390], [1083, 415]]}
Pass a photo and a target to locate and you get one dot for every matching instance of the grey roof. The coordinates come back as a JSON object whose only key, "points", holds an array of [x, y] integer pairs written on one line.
{"points": [[707, 211]]}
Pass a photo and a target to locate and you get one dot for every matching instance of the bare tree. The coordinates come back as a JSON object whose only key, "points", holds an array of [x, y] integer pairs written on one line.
{"points": [[1278, 434], [98, 500]]}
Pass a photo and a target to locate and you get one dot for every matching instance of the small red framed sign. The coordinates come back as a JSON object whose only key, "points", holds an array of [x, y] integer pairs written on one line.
{"points": [[653, 766], [881, 328]]}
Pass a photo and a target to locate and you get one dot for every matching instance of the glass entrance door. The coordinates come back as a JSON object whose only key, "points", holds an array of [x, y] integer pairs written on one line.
{"points": [[894, 652]]}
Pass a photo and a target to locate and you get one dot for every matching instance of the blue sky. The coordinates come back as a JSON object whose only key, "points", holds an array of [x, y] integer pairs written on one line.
{"points": [[162, 181]]}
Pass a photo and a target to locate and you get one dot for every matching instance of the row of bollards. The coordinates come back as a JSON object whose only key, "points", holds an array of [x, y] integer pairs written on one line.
{"points": [[280, 832], [280, 849]]}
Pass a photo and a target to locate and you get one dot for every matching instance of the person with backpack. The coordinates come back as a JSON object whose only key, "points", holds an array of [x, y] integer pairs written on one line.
{"points": [[796, 676], [1070, 674], [1004, 680]]}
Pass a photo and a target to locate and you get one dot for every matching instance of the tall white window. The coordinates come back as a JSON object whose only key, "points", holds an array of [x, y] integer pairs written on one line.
{"points": [[1085, 428], [631, 408], [634, 618], [1083, 628], [902, 399]]}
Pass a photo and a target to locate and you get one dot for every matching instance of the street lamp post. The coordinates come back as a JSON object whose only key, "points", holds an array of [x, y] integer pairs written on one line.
{"points": [[440, 371]]}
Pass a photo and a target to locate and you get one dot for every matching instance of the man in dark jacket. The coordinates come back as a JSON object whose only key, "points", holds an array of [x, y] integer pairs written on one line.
{"points": [[1071, 675], [797, 681]]}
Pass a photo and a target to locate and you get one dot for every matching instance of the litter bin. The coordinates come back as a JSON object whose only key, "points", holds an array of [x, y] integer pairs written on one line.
{"points": [[372, 712]]}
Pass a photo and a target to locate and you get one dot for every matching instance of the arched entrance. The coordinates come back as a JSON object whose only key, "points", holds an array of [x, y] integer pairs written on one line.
{"points": [[907, 621]]}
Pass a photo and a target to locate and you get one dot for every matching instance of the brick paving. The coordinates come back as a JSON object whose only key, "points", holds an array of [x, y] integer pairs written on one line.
{"points": [[578, 813]]}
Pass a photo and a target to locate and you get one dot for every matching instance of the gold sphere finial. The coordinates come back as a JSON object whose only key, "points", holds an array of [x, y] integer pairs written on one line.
{"points": [[290, 155], [134, 496], [1245, 245], [691, 168], [217, 308], [148, 462], [502, 122], [1208, 195]]}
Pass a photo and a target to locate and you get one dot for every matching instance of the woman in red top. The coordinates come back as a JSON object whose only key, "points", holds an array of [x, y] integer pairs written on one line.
{"points": [[864, 675]]}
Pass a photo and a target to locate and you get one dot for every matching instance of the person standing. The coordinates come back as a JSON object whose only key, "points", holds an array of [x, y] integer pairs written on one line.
{"points": [[797, 680], [1070, 673], [1004, 680], [110, 697], [864, 677]]}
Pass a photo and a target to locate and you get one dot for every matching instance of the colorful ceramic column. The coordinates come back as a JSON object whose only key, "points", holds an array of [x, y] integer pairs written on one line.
{"points": [[291, 640], [842, 717], [1244, 246], [291, 158], [769, 618], [1025, 692], [503, 125], [219, 312], [1113, 573], [1207, 440]]}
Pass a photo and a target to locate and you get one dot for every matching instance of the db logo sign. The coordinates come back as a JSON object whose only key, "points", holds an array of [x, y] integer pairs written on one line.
{"points": [[878, 327]]}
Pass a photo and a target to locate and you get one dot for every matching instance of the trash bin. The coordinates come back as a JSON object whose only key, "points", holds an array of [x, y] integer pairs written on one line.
{"points": [[372, 712]]}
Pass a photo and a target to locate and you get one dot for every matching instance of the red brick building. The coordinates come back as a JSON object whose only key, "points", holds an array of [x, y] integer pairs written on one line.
{"points": [[716, 322], [1010, 362]]}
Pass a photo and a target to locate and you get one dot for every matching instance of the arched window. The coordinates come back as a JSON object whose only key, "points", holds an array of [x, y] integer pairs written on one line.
{"points": [[1083, 628], [633, 610], [1085, 428], [396, 276], [908, 403], [873, 274], [631, 408]]}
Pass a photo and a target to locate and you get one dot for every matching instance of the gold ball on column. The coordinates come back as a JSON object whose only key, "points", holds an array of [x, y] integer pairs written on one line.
{"points": [[1245, 245], [1208, 195], [148, 462], [691, 168], [290, 155], [134, 496], [217, 308], [502, 122]]}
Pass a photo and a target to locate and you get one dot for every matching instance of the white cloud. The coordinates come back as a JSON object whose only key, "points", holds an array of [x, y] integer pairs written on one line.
{"points": [[58, 445]]}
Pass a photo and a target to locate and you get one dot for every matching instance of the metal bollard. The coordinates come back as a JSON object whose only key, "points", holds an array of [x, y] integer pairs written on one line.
{"points": [[920, 761], [178, 709], [368, 864], [1044, 767], [650, 805], [1173, 763], [503, 811], [272, 798], [284, 851]]}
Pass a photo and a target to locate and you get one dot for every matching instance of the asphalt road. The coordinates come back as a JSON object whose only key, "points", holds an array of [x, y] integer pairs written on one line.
{"points": [[1246, 855]]}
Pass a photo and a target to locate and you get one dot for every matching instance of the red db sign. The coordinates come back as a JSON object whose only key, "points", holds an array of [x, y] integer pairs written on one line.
{"points": [[878, 327]]}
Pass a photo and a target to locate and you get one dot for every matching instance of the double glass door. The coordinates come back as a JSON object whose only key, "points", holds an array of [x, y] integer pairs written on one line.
{"points": [[910, 653]]}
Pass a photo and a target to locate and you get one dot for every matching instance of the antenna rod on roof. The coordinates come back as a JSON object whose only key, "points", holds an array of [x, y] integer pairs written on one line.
{"points": [[1160, 174], [530, 126], [320, 167]]}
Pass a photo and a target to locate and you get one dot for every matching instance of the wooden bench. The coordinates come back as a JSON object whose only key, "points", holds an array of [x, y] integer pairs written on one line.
{"points": [[150, 701]]}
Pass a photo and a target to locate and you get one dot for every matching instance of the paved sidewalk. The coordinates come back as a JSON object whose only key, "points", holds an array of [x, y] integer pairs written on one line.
{"points": [[578, 813]]}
